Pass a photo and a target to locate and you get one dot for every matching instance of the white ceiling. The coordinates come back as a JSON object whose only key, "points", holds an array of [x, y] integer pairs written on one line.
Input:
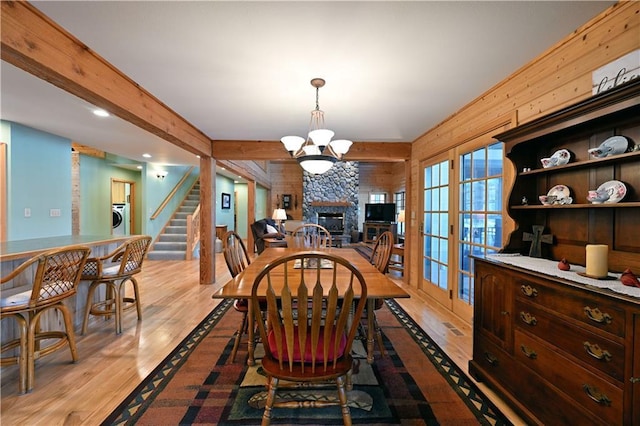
{"points": [[240, 70]]}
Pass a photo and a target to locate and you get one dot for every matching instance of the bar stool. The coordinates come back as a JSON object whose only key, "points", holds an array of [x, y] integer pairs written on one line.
{"points": [[57, 273], [114, 271]]}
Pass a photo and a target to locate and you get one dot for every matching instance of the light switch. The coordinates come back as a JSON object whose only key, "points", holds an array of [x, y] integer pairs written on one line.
{"points": [[27, 212], [54, 213]]}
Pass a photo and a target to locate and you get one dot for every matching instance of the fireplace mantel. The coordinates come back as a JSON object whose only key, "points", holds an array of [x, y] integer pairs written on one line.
{"points": [[331, 204]]}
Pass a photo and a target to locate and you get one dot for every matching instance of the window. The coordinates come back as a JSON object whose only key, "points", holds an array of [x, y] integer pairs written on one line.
{"points": [[377, 197], [399, 198], [480, 211]]}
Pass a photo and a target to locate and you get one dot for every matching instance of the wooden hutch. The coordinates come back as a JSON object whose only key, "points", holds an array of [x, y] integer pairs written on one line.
{"points": [[559, 350]]}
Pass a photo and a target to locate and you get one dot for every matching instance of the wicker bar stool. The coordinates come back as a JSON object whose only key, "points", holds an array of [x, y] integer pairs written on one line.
{"points": [[56, 276], [114, 271]]}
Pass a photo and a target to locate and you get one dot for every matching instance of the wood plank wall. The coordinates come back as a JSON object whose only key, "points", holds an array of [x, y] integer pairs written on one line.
{"points": [[559, 77]]}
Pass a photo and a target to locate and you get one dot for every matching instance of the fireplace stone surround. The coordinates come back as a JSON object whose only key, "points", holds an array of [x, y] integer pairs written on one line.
{"points": [[333, 192]]}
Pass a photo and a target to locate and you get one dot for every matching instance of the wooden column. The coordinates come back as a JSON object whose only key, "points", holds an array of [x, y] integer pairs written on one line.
{"points": [[251, 214], [207, 220]]}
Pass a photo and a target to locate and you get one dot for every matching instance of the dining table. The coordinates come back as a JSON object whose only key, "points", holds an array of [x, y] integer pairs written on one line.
{"points": [[379, 286]]}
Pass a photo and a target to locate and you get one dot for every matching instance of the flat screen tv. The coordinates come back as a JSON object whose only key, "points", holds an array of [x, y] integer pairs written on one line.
{"points": [[380, 212]]}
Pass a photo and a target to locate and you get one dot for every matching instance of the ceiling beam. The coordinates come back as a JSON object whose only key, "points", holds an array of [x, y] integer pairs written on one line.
{"points": [[33, 42], [274, 150]]}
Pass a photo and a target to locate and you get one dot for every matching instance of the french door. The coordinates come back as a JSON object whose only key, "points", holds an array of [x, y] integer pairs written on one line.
{"points": [[462, 215]]}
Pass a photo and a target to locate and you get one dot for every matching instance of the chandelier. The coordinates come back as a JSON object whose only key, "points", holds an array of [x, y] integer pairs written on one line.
{"points": [[317, 153]]}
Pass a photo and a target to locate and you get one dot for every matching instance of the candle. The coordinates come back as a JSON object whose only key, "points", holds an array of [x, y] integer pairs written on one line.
{"points": [[597, 260]]}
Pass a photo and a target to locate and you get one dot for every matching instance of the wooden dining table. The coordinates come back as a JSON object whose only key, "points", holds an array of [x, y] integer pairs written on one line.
{"points": [[379, 286]]}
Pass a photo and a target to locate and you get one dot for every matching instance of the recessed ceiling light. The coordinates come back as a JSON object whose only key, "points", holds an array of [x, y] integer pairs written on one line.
{"points": [[100, 112], [139, 167], [145, 155]]}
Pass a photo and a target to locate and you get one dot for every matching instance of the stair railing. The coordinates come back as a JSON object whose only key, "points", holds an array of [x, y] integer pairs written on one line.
{"points": [[173, 192], [193, 232]]}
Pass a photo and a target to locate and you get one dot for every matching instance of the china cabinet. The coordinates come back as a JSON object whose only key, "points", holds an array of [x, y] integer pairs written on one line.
{"points": [[561, 351]]}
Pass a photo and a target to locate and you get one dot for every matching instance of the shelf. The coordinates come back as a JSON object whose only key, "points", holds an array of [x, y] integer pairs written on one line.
{"points": [[628, 156], [331, 204], [579, 206]]}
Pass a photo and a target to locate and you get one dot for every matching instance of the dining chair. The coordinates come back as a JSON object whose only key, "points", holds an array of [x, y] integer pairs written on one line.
{"points": [[114, 271], [380, 257], [306, 337], [310, 236], [237, 259], [56, 274]]}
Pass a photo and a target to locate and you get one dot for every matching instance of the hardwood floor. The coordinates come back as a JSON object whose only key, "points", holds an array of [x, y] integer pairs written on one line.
{"points": [[174, 302]]}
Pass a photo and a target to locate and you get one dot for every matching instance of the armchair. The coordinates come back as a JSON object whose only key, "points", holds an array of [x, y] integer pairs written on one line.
{"points": [[260, 232]]}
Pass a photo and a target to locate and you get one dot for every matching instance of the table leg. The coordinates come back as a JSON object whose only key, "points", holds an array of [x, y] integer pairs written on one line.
{"points": [[251, 329], [370, 331]]}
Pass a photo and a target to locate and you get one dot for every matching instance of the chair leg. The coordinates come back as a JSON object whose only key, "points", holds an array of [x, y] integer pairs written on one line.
{"points": [[271, 398], [342, 394], [136, 295], [239, 334], [21, 358], [378, 335], [68, 325], [87, 309], [119, 299]]}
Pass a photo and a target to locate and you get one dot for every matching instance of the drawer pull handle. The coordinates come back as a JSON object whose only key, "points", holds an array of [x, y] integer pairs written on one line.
{"points": [[491, 359], [594, 314], [528, 352], [529, 291], [527, 318], [598, 397], [595, 351]]}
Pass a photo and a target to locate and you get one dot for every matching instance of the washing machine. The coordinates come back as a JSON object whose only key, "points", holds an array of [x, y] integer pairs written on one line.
{"points": [[119, 219]]}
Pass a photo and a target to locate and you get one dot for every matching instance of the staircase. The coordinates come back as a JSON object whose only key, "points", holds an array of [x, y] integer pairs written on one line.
{"points": [[172, 243]]}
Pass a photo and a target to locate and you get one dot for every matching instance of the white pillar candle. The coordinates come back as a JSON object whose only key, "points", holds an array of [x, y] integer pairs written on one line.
{"points": [[597, 260]]}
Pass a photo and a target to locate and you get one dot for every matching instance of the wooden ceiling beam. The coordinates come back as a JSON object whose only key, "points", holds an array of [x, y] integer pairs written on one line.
{"points": [[33, 42], [273, 150]]}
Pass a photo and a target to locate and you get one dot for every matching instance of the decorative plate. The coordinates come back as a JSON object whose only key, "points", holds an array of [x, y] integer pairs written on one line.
{"points": [[616, 190], [562, 194], [558, 158], [613, 146]]}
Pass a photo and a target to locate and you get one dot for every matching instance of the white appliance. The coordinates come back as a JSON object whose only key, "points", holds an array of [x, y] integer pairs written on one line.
{"points": [[120, 219]]}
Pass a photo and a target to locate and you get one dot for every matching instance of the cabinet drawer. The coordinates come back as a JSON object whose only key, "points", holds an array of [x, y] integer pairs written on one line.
{"points": [[548, 405], [595, 394], [590, 348], [583, 306]]}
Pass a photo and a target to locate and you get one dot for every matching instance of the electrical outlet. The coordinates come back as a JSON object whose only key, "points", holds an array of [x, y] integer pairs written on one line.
{"points": [[27, 212], [54, 213]]}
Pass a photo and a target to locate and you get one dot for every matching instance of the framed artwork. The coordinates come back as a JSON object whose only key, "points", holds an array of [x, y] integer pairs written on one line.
{"points": [[286, 201], [226, 201]]}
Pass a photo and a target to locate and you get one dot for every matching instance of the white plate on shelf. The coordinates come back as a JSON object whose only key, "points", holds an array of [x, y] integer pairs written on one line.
{"points": [[613, 146], [561, 192], [616, 190]]}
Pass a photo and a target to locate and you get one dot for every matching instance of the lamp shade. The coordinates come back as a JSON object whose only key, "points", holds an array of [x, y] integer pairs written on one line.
{"points": [[401, 216], [340, 146], [317, 164], [321, 137], [279, 214], [292, 143]]}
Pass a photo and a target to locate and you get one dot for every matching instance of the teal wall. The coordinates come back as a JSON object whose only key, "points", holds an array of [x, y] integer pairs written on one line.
{"points": [[39, 179], [261, 203], [225, 216], [242, 214], [39, 167], [95, 195]]}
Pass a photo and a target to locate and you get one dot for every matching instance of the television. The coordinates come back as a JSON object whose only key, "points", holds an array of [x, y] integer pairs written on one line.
{"points": [[380, 212]]}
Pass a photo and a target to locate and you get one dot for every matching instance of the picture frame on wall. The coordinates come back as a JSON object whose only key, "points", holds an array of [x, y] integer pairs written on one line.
{"points": [[226, 200], [286, 201]]}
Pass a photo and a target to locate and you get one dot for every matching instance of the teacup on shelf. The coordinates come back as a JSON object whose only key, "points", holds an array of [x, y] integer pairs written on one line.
{"points": [[547, 200], [598, 197]]}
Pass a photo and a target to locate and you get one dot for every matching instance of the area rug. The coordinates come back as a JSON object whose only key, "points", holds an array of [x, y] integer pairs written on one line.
{"points": [[414, 383]]}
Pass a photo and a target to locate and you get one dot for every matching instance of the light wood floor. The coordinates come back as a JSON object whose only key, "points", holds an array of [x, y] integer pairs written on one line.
{"points": [[174, 302]]}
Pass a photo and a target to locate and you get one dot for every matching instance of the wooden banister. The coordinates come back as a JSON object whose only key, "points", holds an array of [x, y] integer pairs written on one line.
{"points": [[172, 194]]}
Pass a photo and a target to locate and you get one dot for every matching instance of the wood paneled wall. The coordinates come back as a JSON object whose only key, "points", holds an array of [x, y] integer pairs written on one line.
{"points": [[557, 78], [286, 178]]}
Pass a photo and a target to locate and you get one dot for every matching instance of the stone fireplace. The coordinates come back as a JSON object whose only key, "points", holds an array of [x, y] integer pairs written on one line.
{"points": [[332, 195]]}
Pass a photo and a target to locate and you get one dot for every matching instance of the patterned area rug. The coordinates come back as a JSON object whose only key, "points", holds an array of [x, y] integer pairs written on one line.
{"points": [[415, 383]]}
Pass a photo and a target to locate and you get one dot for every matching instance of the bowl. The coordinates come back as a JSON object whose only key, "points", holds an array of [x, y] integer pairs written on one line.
{"points": [[547, 200]]}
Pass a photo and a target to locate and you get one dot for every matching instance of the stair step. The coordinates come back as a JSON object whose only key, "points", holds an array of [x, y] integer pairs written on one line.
{"points": [[170, 246], [175, 230], [166, 255], [173, 238]]}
